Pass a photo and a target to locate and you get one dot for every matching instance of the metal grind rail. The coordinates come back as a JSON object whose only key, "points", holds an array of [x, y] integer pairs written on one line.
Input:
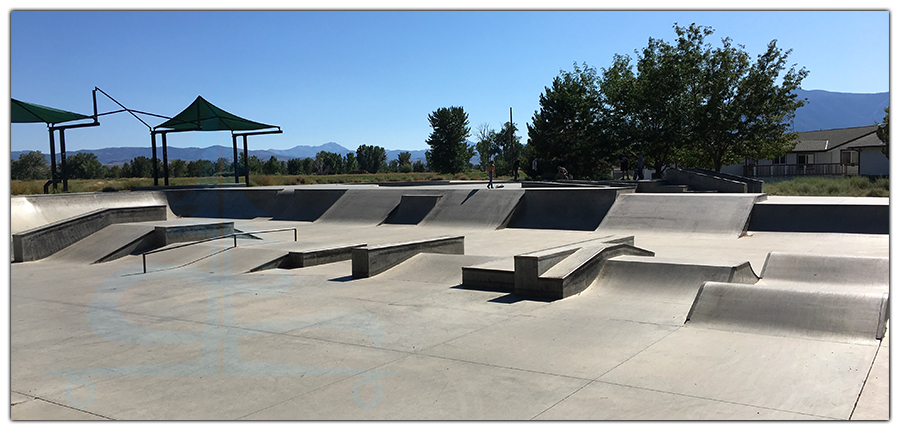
{"points": [[232, 235]]}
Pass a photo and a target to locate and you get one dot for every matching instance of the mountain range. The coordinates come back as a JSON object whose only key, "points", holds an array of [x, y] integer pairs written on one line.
{"points": [[824, 110]]}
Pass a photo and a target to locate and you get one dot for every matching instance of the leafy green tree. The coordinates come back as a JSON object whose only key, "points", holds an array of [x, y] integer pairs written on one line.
{"points": [[178, 168], [84, 166], [329, 163], [350, 163], [113, 171], [273, 166], [30, 166], [403, 158], [743, 111], [883, 131], [142, 167], [418, 166], [486, 146], [371, 158], [566, 130], [450, 153], [295, 166]]}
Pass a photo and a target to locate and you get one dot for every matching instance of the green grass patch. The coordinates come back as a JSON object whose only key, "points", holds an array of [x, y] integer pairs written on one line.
{"points": [[829, 186]]}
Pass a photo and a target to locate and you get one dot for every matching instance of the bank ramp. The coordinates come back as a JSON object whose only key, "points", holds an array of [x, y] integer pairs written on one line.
{"points": [[659, 290], [690, 213], [823, 297]]}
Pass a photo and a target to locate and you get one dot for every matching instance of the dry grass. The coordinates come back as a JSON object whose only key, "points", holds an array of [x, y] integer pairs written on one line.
{"points": [[837, 186]]}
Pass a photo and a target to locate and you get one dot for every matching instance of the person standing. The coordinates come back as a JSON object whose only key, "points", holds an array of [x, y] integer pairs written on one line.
{"points": [[490, 171], [534, 168], [640, 167], [623, 166]]}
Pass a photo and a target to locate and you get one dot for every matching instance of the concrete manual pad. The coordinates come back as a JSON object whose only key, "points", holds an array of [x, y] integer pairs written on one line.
{"points": [[821, 379]]}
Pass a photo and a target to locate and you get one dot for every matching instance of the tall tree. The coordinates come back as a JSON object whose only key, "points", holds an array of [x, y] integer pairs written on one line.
{"points": [[883, 131], [450, 153], [85, 166], [29, 166], [565, 130], [371, 158]]}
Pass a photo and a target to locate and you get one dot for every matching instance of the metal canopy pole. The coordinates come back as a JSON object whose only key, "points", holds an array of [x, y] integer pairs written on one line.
{"points": [[237, 172], [165, 160], [153, 146], [62, 159], [246, 157], [246, 164], [52, 157]]}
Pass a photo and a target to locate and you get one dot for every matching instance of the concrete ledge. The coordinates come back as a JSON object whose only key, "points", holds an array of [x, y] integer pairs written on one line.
{"points": [[43, 241], [312, 257], [576, 272], [166, 235], [371, 260]]}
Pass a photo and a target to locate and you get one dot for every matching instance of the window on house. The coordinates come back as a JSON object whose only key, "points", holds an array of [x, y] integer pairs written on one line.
{"points": [[850, 157], [779, 161]]}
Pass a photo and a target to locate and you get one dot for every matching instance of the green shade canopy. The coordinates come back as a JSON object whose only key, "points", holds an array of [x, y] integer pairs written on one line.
{"points": [[201, 115], [27, 112]]}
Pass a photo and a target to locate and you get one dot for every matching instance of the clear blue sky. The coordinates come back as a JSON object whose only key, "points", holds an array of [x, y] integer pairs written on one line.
{"points": [[356, 77]]}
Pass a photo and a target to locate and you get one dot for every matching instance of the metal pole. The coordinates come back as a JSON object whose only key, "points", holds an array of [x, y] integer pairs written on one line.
{"points": [[512, 149], [165, 160], [237, 172], [295, 234], [234, 236], [52, 157], [62, 158], [155, 166], [246, 163], [144, 257]]}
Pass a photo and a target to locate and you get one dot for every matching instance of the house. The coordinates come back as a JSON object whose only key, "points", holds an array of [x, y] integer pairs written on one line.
{"points": [[840, 151]]}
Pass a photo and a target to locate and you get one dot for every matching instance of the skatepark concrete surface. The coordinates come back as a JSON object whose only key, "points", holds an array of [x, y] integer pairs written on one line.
{"points": [[722, 322]]}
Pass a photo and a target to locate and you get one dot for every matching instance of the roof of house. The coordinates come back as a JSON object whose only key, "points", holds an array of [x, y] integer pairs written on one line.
{"points": [[828, 140], [867, 141]]}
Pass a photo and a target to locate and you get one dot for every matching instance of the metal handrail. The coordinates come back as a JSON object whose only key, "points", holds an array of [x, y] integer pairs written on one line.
{"points": [[232, 235]]}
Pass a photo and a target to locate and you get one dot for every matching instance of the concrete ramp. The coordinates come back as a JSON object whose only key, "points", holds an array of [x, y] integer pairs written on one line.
{"points": [[363, 206], [563, 209], [858, 274], [822, 297], [304, 205], [412, 209], [784, 311], [228, 203], [107, 244], [476, 208], [658, 290], [691, 213]]}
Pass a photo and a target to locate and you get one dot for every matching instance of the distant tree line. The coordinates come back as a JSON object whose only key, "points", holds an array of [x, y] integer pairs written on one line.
{"points": [[84, 165]]}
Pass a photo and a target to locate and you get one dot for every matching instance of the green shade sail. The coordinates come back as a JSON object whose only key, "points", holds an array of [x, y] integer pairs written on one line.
{"points": [[27, 112], [201, 115]]}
